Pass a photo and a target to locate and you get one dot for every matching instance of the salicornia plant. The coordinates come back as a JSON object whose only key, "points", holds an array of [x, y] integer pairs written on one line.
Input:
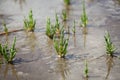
{"points": [[110, 48], [67, 2], [84, 18], [74, 29], [50, 29], [53, 30], [57, 26], [8, 53], [86, 69], [61, 45], [29, 24], [64, 15], [5, 28]]}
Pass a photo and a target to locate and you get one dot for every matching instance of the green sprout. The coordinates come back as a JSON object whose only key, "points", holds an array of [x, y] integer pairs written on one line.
{"points": [[61, 45], [29, 24], [8, 53], [74, 28], [86, 69], [64, 15], [50, 29], [84, 18], [57, 26], [110, 48], [67, 2], [53, 30], [5, 28]]}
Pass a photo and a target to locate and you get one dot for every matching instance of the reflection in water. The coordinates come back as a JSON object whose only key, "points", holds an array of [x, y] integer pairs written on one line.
{"points": [[7, 40], [31, 40], [109, 63], [84, 35], [74, 38], [50, 45], [64, 24], [85, 78], [62, 68], [85, 31], [21, 2], [12, 68], [67, 10]]}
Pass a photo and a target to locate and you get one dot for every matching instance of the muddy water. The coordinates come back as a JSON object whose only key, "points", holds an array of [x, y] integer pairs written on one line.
{"points": [[36, 58]]}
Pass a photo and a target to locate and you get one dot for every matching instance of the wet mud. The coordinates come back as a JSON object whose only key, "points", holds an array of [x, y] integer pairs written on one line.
{"points": [[36, 58]]}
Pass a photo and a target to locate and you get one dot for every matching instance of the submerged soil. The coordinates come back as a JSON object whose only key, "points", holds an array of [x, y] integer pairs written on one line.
{"points": [[36, 58]]}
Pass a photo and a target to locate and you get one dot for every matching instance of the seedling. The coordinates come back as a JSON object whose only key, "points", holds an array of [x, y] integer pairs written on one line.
{"points": [[84, 18], [57, 24], [86, 69], [5, 28], [61, 45], [50, 29], [64, 15], [53, 30], [8, 53], [67, 2], [58, 28], [110, 48], [74, 28], [29, 24]]}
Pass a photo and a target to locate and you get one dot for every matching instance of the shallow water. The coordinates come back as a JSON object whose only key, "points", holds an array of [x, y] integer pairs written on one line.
{"points": [[36, 58]]}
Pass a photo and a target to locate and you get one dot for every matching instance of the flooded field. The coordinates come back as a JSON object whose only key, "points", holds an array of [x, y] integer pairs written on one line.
{"points": [[36, 58]]}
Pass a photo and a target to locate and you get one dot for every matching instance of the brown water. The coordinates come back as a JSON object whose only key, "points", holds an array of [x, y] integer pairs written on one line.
{"points": [[36, 58]]}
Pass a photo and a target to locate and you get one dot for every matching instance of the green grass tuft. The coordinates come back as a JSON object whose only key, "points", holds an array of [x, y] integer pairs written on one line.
{"points": [[29, 24], [8, 53], [84, 18], [110, 48], [61, 45], [53, 30], [50, 29]]}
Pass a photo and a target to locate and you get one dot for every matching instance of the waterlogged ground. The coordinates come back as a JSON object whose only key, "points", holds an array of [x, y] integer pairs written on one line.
{"points": [[36, 58]]}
